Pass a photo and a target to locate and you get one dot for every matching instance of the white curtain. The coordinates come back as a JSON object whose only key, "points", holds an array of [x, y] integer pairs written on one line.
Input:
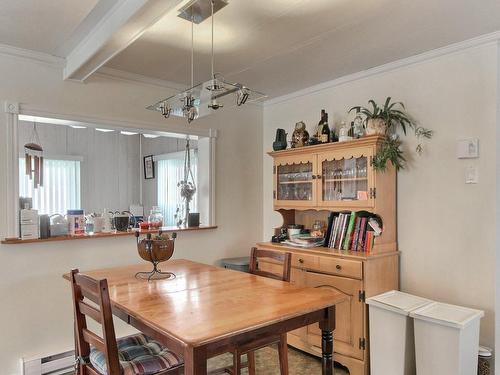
{"points": [[170, 170], [61, 186]]}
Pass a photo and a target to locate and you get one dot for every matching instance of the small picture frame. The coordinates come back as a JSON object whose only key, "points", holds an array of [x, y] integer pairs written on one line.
{"points": [[149, 167]]}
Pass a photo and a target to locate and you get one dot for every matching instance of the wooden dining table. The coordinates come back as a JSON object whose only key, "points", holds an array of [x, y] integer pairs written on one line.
{"points": [[206, 310]]}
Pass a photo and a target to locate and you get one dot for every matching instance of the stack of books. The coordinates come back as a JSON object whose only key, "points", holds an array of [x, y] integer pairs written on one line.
{"points": [[305, 241], [354, 231]]}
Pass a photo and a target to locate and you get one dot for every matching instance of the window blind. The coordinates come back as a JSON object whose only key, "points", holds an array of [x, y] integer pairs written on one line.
{"points": [[61, 189], [170, 170]]}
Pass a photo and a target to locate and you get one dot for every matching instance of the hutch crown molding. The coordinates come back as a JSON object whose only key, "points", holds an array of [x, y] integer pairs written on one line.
{"points": [[308, 184]]}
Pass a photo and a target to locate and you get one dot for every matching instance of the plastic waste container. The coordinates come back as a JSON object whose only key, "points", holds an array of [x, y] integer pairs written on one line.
{"points": [[392, 349], [238, 264], [446, 339]]}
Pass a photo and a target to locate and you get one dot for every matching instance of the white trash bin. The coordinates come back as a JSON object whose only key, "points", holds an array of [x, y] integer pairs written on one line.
{"points": [[392, 348], [446, 339]]}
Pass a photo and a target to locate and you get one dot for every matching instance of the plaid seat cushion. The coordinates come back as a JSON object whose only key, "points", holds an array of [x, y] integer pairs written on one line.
{"points": [[138, 355]]}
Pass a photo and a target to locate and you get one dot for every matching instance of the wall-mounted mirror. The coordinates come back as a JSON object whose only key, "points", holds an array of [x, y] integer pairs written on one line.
{"points": [[101, 169]]}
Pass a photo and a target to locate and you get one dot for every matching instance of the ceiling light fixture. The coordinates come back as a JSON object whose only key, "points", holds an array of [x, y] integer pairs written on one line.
{"points": [[152, 136], [78, 127], [207, 97], [104, 130], [127, 133]]}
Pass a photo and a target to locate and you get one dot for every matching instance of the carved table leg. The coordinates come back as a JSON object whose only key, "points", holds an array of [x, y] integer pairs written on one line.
{"points": [[327, 325]]}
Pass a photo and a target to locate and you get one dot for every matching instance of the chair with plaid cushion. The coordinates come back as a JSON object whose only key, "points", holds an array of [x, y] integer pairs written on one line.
{"points": [[131, 355]]}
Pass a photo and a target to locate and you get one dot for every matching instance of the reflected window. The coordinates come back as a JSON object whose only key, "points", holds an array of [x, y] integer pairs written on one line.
{"points": [[170, 171], [61, 188]]}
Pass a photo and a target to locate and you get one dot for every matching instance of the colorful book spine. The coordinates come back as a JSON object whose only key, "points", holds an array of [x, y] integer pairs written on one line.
{"points": [[357, 225], [337, 229], [362, 232], [329, 229], [350, 228], [343, 230], [370, 237]]}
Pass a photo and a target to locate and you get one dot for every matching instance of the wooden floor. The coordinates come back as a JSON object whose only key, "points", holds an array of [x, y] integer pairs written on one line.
{"points": [[267, 363]]}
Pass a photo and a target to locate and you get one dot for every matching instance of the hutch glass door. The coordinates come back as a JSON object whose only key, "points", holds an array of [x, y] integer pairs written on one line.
{"points": [[295, 182], [346, 180]]}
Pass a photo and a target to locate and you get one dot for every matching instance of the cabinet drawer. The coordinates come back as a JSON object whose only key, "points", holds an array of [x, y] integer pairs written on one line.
{"points": [[334, 266]]}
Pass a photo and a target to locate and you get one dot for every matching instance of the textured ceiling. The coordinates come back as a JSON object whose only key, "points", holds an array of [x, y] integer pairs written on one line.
{"points": [[41, 25], [279, 46], [274, 46]]}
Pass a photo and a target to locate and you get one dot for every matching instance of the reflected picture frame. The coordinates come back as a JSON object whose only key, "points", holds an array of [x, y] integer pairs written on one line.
{"points": [[149, 167]]}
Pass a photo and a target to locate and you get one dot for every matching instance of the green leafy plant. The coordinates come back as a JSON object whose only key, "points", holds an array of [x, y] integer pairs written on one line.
{"points": [[394, 116]]}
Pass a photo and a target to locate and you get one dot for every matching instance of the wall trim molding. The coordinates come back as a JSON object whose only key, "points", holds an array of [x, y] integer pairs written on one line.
{"points": [[36, 56], [394, 65]]}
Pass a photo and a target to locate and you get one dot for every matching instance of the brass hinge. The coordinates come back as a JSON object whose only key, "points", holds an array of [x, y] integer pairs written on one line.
{"points": [[371, 161], [274, 169], [361, 296], [373, 193], [362, 343], [274, 194]]}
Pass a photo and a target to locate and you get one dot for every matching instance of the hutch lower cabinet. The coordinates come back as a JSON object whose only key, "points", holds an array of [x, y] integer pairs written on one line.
{"points": [[357, 277], [310, 184]]}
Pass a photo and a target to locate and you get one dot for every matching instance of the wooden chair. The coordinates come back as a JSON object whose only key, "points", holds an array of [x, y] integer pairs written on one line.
{"points": [[249, 350], [90, 347]]}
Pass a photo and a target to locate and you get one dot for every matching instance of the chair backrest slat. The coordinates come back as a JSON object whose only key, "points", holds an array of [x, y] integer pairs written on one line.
{"points": [[97, 291], [284, 258], [94, 340], [91, 311]]}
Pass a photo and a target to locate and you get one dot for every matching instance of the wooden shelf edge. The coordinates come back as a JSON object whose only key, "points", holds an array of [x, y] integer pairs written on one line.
{"points": [[17, 241], [347, 254]]}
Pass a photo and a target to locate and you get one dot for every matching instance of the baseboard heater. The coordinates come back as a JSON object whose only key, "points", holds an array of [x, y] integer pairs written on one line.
{"points": [[57, 364]]}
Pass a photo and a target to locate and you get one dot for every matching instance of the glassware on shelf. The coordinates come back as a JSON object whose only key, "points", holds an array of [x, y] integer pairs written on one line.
{"points": [[155, 218]]}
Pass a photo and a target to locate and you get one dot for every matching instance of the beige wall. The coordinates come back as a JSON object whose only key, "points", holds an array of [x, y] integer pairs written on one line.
{"points": [[36, 315], [446, 228]]}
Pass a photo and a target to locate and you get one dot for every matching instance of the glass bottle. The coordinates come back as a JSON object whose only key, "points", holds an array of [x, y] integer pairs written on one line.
{"points": [[155, 218], [325, 130]]}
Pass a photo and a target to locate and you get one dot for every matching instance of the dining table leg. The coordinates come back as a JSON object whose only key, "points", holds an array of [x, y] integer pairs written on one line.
{"points": [[327, 326], [195, 361]]}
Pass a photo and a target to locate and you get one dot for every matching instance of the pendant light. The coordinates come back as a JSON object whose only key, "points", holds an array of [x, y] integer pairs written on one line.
{"points": [[205, 98]]}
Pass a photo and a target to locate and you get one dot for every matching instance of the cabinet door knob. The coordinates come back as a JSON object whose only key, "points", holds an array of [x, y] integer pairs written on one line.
{"points": [[338, 267], [319, 177], [301, 260], [313, 176]]}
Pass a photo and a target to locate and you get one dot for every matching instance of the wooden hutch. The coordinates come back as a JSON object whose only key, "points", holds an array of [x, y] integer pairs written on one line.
{"points": [[309, 183]]}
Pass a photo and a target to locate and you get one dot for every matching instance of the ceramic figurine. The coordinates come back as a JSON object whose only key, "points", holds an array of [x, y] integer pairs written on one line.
{"points": [[300, 135]]}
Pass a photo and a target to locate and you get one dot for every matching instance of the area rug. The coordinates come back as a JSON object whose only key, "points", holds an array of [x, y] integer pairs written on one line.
{"points": [[267, 363]]}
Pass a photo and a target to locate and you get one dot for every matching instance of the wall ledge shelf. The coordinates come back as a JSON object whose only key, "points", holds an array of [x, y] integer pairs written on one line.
{"points": [[17, 241]]}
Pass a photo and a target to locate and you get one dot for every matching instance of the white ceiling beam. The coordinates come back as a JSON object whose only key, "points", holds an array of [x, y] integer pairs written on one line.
{"points": [[126, 21]]}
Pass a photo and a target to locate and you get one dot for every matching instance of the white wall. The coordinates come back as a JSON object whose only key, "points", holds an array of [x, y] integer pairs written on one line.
{"points": [[36, 315], [446, 228]]}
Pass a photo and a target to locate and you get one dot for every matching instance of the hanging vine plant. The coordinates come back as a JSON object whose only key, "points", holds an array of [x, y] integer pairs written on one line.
{"points": [[386, 120], [187, 188]]}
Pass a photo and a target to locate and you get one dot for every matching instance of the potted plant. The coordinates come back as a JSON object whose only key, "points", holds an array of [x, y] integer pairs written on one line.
{"points": [[385, 121]]}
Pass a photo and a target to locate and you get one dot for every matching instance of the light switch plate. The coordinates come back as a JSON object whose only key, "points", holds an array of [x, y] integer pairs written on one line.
{"points": [[471, 175], [468, 148]]}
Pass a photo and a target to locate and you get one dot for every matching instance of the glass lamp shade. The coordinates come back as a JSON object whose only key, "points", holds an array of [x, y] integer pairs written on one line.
{"points": [[206, 98]]}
